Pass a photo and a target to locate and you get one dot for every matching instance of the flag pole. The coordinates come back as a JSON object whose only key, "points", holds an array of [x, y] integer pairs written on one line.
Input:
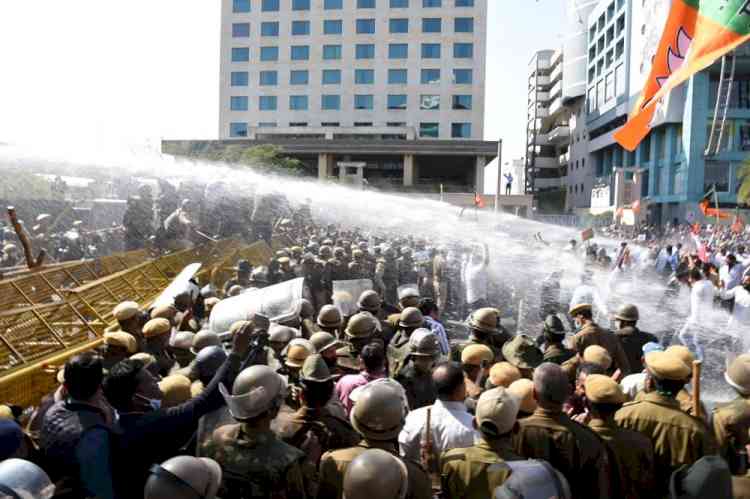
{"points": [[716, 203]]}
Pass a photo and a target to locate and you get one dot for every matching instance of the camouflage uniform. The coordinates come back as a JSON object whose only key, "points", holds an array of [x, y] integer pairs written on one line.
{"points": [[257, 464], [397, 352], [475, 472]]}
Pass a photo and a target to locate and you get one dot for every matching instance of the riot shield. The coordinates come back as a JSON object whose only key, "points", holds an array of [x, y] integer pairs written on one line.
{"points": [[179, 285], [347, 293], [280, 303]]}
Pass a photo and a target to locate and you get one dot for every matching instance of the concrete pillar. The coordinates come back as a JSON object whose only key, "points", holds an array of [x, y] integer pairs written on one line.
{"points": [[408, 170], [324, 166], [479, 174]]}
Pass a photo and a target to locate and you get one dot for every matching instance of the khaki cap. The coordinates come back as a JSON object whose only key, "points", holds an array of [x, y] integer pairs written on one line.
{"points": [[683, 353], [6, 412], [125, 310], [504, 374], [156, 327], [522, 352], [499, 408], [315, 369], [283, 260], [665, 365], [738, 374], [602, 389], [523, 389], [475, 354], [577, 309], [147, 359], [164, 312], [121, 339], [598, 355], [296, 355], [196, 388], [176, 390]]}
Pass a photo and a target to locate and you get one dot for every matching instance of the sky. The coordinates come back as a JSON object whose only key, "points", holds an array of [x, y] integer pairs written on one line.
{"points": [[109, 75]]}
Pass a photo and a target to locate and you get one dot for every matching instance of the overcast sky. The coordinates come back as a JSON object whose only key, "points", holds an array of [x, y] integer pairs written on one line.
{"points": [[112, 75]]}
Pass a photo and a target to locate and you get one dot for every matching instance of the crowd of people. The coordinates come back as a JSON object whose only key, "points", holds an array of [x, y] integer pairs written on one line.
{"points": [[378, 393]]}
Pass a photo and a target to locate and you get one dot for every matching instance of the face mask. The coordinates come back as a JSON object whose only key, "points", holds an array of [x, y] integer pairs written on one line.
{"points": [[155, 404]]}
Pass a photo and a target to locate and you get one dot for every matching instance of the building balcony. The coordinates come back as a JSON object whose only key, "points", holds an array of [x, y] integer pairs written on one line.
{"points": [[540, 97], [541, 139], [559, 134], [556, 57], [555, 106], [541, 80], [546, 162], [542, 112], [563, 159], [556, 74], [547, 183]]}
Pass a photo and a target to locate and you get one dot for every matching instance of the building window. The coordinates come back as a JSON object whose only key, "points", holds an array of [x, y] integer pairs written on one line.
{"points": [[238, 129], [460, 130], [240, 30], [462, 76], [333, 4], [239, 78], [331, 77], [365, 4], [331, 52], [364, 76], [330, 123], [398, 76], [269, 78], [398, 25], [298, 103], [330, 102], [464, 3], [431, 25], [399, 4], [300, 27], [298, 123], [300, 52], [238, 103], [269, 5], [429, 102], [363, 102], [463, 50], [241, 6], [397, 101], [398, 51], [298, 77], [395, 124], [269, 28], [463, 25], [429, 130], [365, 51], [267, 103], [300, 4], [432, 3], [332, 27], [269, 53], [362, 123], [462, 102], [365, 26], [240, 54], [267, 124], [430, 51], [430, 76]]}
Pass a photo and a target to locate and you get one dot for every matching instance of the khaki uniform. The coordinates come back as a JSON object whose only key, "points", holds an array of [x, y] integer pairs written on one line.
{"points": [[474, 472], [572, 449], [397, 353], [347, 360], [493, 340], [591, 334], [257, 464], [731, 424], [333, 467], [678, 438], [741, 486], [557, 354], [631, 458], [684, 398], [331, 431]]}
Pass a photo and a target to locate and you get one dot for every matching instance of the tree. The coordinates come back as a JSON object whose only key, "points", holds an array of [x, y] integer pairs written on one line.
{"points": [[266, 158], [743, 175]]}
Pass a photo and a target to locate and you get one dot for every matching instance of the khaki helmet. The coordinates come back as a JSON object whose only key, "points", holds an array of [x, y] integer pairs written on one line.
{"points": [[627, 313], [184, 477], [358, 254], [296, 355], [338, 252], [202, 339], [553, 325], [379, 412], [485, 320], [411, 317], [315, 370], [738, 374], [256, 390], [324, 340], [376, 469], [25, 479], [522, 352], [361, 325], [325, 252], [281, 334], [424, 343], [369, 301], [329, 316]]}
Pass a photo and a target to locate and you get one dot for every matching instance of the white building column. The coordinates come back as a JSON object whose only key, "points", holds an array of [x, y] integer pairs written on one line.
{"points": [[324, 166], [408, 170], [479, 174]]}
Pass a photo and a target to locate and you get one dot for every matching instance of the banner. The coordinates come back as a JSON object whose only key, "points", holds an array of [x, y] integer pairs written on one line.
{"points": [[696, 34], [587, 234]]}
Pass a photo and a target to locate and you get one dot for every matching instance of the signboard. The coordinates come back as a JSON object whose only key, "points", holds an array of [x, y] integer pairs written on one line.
{"points": [[587, 234], [351, 164]]}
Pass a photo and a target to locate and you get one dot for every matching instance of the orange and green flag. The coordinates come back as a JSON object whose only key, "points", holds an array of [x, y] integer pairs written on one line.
{"points": [[696, 34]]}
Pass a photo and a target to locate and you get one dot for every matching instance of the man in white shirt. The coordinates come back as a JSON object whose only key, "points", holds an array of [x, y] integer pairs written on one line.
{"points": [[701, 307], [450, 423], [586, 292], [634, 383], [739, 322], [476, 279]]}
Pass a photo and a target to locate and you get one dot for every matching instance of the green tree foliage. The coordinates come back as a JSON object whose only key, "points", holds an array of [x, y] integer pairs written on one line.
{"points": [[16, 184], [743, 174], [266, 158]]}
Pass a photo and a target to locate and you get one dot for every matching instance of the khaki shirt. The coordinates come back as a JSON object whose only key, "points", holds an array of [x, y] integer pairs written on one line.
{"points": [[677, 437], [572, 449], [731, 424], [591, 334], [557, 354], [631, 456], [475, 472]]}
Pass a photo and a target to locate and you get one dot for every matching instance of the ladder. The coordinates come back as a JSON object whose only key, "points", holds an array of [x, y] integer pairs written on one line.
{"points": [[723, 95]]}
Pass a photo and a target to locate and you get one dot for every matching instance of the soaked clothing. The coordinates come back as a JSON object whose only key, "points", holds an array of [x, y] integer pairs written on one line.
{"points": [[592, 334], [632, 340], [475, 472]]}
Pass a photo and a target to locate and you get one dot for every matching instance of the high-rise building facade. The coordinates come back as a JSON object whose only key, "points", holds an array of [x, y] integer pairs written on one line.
{"points": [[328, 64]]}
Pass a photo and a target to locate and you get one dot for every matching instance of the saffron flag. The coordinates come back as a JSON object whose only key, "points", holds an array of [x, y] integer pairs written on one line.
{"points": [[709, 212], [636, 207], [696, 34], [478, 201]]}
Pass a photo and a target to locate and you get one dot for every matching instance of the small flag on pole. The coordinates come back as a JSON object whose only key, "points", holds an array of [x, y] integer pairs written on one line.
{"points": [[478, 201]]}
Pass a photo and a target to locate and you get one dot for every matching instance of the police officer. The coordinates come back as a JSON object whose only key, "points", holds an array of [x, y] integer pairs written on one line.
{"points": [[386, 276], [254, 461], [553, 333], [329, 320], [407, 272], [678, 438], [130, 319], [416, 376], [631, 337], [522, 352], [589, 333], [398, 348], [475, 472], [731, 420], [378, 416], [20, 479], [184, 477], [358, 333], [376, 469], [242, 276], [485, 329], [156, 334], [475, 362]]}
